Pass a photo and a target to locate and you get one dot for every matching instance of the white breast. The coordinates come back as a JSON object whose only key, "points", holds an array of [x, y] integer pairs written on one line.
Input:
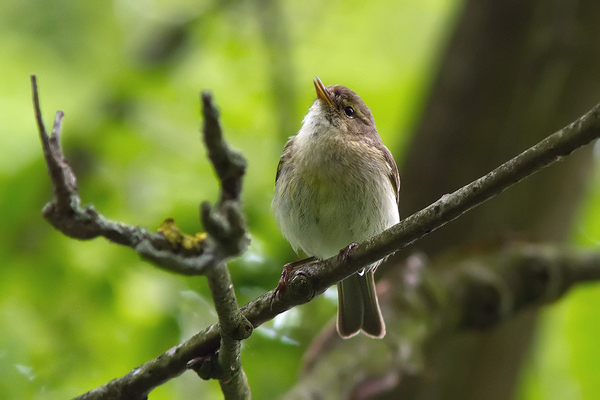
{"points": [[335, 193]]}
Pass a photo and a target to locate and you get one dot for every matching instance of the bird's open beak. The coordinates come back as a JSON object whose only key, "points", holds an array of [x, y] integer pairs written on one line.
{"points": [[322, 92]]}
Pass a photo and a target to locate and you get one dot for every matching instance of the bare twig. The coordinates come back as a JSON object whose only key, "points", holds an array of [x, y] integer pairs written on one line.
{"points": [[324, 274], [229, 163], [227, 228], [308, 281], [434, 299], [234, 328], [476, 297], [227, 237], [225, 223], [65, 213]]}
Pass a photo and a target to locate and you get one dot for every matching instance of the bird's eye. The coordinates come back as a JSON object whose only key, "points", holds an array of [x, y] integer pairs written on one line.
{"points": [[349, 111]]}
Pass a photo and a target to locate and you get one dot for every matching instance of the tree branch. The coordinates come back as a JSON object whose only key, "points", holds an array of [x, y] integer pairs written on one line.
{"points": [[473, 292], [224, 224], [311, 280], [65, 213], [229, 164], [324, 274]]}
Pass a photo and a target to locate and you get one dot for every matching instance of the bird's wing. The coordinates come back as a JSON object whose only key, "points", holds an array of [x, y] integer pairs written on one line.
{"points": [[284, 157], [394, 174]]}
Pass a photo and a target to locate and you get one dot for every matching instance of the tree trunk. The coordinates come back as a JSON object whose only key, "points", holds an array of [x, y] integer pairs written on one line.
{"points": [[514, 72]]}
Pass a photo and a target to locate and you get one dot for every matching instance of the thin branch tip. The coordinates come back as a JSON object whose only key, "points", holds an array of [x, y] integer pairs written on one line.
{"points": [[57, 127], [37, 109], [209, 109], [33, 79]]}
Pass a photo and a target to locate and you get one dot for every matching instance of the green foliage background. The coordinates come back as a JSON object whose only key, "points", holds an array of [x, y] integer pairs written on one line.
{"points": [[74, 315]]}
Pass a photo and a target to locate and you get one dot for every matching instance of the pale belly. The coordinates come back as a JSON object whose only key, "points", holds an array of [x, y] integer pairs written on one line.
{"points": [[326, 212]]}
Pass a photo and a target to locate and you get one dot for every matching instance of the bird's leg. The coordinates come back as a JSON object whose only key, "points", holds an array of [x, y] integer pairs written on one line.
{"points": [[286, 274], [346, 252]]}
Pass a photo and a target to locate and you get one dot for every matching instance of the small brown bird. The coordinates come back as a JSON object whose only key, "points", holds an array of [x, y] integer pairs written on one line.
{"points": [[338, 184]]}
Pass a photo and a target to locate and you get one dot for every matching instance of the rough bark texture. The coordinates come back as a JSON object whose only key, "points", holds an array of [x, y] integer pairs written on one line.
{"points": [[514, 71], [511, 66]]}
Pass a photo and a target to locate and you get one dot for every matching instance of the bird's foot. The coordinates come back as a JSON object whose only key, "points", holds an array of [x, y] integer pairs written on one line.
{"points": [[345, 253], [286, 274]]}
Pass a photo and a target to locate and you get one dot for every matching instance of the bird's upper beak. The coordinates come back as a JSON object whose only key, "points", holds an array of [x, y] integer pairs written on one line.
{"points": [[322, 92]]}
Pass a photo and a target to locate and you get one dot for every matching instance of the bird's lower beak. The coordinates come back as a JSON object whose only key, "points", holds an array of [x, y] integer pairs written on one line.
{"points": [[322, 92]]}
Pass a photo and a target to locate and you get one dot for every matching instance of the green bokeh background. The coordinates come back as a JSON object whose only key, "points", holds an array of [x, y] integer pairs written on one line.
{"points": [[127, 74]]}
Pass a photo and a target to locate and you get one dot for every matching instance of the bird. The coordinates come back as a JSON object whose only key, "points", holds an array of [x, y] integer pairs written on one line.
{"points": [[336, 185]]}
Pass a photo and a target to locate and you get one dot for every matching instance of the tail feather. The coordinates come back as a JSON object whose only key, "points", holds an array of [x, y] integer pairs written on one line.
{"points": [[350, 307], [373, 324], [358, 308]]}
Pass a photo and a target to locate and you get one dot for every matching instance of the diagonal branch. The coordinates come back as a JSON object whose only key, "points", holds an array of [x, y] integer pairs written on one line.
{"points": [[65, 213], [553, 148], [311, 280], [475, 291]]}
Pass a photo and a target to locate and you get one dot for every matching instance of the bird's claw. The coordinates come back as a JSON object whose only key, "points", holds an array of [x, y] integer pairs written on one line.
{"points": [[286, 275], [346, 252]]}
